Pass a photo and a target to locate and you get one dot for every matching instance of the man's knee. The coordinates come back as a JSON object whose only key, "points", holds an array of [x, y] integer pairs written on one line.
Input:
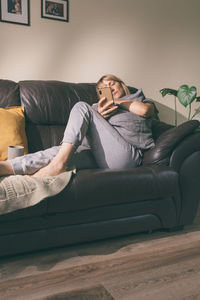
{"points": [[81, 104], [82, 107]]}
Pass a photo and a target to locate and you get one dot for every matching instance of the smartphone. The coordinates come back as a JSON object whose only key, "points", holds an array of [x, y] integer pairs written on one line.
{"points": [[105, 92]]}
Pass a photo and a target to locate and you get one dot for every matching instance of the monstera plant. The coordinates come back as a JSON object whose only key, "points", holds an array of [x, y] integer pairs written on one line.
{"points": [[186, 96]]}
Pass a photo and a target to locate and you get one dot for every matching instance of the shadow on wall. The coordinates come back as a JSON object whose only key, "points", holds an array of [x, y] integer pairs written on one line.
{"points": [[166, 114]]}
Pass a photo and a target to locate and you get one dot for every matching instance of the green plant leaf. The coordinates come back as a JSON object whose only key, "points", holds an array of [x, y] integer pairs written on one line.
{"points": [[198, 99], [167, 91], [196, 112], [186, 95]]}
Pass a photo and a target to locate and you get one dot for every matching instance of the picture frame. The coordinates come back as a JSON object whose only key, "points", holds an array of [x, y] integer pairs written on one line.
{"points": [[55, 10], [15, 11]]}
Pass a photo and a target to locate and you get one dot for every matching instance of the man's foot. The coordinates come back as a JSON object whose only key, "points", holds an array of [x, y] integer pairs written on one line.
{"points": [[58, 164], [49, 170]]}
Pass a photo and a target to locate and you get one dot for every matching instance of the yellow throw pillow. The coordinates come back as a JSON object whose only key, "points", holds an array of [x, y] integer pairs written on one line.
{"points": [[12, 129]]}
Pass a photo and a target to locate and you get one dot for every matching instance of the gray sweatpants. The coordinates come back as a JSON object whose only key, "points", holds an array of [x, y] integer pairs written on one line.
{"points": [[104, 146]]}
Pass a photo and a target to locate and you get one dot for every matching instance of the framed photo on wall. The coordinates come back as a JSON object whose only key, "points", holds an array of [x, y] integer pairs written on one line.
{"points": [[15, 11], [55, 10]]}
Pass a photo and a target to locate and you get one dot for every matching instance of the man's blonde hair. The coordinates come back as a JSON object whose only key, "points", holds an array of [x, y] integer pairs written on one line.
{"points": [[114, 78]]}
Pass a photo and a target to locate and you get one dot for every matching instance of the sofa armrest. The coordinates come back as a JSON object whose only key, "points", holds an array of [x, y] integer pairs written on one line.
{"points": [[186, 148], [167, 142], [185, 159], [179, 148]]}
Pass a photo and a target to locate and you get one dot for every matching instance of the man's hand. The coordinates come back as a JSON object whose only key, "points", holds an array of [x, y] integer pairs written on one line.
{"points": [[106, 109]]}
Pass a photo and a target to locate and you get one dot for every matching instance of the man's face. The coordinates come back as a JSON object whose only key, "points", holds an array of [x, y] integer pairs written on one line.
{"points": [[116, 88]]}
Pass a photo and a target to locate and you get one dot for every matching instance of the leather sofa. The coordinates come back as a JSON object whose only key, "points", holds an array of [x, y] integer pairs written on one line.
{"points": [[162, 193]]}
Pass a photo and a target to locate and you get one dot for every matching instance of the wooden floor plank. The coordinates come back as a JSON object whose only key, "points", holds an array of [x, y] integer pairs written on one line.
{"points": [[93, 293], [143, 266], [158, 276]]}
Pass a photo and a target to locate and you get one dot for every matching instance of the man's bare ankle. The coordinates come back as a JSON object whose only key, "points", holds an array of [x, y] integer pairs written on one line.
{"points": [[6, 168]]}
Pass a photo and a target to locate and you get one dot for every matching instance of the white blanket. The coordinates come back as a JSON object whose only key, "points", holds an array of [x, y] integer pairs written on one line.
{"points": [[18, 191]]}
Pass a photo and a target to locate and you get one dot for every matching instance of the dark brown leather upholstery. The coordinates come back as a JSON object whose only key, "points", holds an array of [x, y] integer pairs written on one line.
{"points": [[167, 141], [162, 193], [9, 93]]}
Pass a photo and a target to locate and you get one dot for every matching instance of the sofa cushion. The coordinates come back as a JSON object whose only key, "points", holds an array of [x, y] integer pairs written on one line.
{"points": [[41, 137], [12, 129], [9, 93], [50, 102], [167, 141], [158, 127], [103, 187]]}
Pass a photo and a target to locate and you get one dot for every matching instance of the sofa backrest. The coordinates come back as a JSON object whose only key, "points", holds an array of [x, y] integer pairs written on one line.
{"points": [[9, 93], [47, 107], [50, 102]]}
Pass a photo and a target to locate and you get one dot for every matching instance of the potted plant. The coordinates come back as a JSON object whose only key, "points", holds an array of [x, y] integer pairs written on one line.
{"points": [[186, 96]]}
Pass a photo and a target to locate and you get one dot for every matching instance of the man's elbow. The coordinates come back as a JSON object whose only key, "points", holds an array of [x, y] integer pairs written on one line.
{"points": [[148, 111]]}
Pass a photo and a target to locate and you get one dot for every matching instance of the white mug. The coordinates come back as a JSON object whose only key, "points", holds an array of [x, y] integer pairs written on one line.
{"points": [[15, 151]]}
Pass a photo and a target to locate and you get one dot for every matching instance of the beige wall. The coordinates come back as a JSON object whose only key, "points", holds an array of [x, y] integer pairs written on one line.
{"points": [[149, 43]]}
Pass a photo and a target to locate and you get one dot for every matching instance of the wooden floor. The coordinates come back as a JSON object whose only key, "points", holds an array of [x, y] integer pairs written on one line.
{"points": [[157, 266]]}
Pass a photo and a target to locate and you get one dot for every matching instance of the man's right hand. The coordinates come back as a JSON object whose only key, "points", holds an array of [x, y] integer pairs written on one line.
{"points": [[106, 109]]}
